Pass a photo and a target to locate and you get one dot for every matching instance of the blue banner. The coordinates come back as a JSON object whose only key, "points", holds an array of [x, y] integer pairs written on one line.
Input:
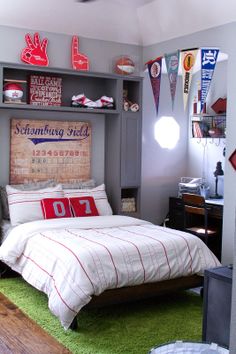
{"points": [[172, 66], [208, 62], [154, 69]]}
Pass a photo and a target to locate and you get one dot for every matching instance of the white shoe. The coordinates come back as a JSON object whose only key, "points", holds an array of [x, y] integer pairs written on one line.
{"points": [[105, 102], [82, 101]]}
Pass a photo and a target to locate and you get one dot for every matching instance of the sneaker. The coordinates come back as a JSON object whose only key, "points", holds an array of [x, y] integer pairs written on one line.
{"points": [[105, 102], [82, 101]]}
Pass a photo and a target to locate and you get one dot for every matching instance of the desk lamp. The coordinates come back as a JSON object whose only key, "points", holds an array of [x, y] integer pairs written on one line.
{"points": [[218, 172]]}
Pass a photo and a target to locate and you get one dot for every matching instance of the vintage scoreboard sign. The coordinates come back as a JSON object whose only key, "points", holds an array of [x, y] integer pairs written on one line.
{"points": [[43, 149], [45, 90]]}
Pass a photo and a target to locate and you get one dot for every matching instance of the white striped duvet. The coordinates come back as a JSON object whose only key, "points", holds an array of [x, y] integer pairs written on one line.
{"points": [[75, 258]]}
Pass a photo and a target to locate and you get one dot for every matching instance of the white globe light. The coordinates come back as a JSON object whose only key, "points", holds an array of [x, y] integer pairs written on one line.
{"points": [[166, 132]]}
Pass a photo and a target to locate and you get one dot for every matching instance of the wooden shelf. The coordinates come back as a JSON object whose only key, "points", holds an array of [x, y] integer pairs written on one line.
{"points": [[208, 125], [26, 106]]}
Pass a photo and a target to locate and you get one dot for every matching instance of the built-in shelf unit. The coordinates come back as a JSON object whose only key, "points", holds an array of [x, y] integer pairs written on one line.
{"points": [[122, 129]]}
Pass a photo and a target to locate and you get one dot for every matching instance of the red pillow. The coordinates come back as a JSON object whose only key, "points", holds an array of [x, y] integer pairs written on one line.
{"points": [[83, 206], [56, 208]]}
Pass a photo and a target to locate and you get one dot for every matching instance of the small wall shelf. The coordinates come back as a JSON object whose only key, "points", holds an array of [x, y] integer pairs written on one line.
{"points": [[208, 125]]}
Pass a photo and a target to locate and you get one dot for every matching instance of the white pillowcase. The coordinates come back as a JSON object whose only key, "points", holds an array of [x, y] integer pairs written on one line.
{"points": [[24, 206], [99, 195]]}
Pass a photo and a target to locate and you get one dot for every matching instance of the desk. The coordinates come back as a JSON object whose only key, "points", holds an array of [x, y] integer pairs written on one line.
{"points": [[215, 201], [215, 215]]}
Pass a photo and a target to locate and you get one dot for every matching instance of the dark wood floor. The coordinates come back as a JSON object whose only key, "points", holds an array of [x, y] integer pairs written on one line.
{"points": [[21, 335]]}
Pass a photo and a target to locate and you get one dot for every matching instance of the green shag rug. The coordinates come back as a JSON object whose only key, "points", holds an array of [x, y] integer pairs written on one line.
{"points": [[122, 329]]}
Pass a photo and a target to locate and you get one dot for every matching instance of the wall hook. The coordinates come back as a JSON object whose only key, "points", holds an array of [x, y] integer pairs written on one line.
{"points": [[204, 144], [212, 141]]}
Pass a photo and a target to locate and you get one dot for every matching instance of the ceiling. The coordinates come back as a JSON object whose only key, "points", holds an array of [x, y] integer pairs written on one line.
{"points": [[142, 22]]}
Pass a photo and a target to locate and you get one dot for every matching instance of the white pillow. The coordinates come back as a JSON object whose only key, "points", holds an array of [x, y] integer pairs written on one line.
{"points": [[99, 195], [24, 206]]}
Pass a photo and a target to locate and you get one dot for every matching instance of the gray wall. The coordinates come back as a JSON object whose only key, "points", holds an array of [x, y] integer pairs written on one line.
{"points": [[221, 37], [161, 168], [204, 153], [100, 53]]}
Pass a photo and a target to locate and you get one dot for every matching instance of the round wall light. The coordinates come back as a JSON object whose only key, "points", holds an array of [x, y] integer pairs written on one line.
{"points": [[166, 132]]}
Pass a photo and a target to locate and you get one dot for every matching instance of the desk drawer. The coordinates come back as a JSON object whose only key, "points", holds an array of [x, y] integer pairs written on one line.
{"points": [[215, 211]]}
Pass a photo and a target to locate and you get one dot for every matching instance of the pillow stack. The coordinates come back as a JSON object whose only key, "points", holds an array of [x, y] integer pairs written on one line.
{"points": [[24, 206], [56, 201]]}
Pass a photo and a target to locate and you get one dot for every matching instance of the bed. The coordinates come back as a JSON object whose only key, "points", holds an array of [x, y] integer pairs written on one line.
{"points": [[81, 260], [94, 260]]}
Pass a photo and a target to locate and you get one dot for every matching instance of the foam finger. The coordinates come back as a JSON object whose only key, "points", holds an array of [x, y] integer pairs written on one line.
{"points": [[75, 45], [29, 41], [37, 40], [44, 44]]}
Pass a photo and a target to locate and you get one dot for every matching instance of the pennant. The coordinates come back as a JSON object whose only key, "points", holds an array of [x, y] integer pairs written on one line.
{"points": [[172, 66], [208, 62], [154, 69], [188, 59]]}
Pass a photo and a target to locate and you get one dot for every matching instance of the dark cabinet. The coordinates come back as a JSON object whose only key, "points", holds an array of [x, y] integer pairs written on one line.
{"points": [[217, 305]]}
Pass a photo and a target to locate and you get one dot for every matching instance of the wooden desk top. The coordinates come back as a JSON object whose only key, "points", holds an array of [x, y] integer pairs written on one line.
{"points": [[215, 201]]}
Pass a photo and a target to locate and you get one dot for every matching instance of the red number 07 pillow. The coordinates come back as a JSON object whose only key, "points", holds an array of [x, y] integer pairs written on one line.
{"points": [[83, 206], [56, 208]]}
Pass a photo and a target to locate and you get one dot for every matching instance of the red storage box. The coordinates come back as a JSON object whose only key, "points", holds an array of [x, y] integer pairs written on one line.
{"points": [[219, 106]]}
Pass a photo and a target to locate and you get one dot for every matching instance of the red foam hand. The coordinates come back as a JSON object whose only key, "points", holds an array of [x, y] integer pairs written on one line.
{"points": [[79, 61], [35, 52]]}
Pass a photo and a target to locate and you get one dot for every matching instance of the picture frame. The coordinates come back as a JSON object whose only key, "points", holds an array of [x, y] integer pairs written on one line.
{"points": [[45, 90]]}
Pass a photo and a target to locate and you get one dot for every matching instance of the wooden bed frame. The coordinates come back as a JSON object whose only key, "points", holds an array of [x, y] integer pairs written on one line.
{"points": [[143, 291], [138, 292]]}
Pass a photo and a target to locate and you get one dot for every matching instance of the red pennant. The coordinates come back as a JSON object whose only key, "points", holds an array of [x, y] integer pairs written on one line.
{"points": [[154, 69]]}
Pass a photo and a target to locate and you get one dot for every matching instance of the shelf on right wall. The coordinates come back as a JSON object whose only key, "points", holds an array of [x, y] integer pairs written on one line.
{"points": [[208, 125]]}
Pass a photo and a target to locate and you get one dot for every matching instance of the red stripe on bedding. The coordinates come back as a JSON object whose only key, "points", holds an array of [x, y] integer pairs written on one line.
{"points": [[140, 234], [173, 232], [58, 292], [63, 245], [98, 243], [15, 201], [189, 252], [140, 257], [92, 256]]}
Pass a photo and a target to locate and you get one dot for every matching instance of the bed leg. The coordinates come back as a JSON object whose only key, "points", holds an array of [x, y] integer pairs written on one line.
{"points": [[74, 324]]}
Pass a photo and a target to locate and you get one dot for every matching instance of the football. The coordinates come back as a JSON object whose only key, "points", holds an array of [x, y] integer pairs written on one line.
{"points": [[12, 92], [124, 66], [215, 132]]}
